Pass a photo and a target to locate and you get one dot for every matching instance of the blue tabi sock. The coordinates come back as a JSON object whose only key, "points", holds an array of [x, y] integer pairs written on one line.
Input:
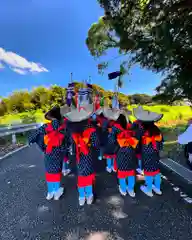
{"points": [[56, 186], [131, 183], [50, 187], [89, 191], [109, 163], [149, 183], [157, 181], [81, 191], [122, 184]]}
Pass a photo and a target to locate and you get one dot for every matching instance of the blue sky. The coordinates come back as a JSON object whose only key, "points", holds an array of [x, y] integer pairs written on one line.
{"points": [[49, 37]]}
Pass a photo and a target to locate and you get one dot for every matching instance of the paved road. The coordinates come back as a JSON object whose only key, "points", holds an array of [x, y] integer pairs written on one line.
{"points": [[25, 213]]}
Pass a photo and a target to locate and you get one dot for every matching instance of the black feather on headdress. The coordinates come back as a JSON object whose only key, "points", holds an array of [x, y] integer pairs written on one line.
{"points": [[114, 75]]}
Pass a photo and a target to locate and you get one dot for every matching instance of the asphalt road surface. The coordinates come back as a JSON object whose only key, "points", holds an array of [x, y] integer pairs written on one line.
{"points": [[26, 214]]}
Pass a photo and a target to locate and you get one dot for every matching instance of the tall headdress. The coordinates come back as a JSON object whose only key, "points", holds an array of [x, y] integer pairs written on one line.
{"points": [[84, 107], [114, 112], [70, 92]]}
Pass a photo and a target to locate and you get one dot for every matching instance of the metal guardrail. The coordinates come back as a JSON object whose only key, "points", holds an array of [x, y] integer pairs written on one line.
{"points": [[20, 128]]}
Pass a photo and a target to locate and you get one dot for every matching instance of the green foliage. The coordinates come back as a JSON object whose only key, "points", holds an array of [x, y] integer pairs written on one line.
{"points": [[156, 34], [28, 107], [100, 38], [164, 110], [42, 99]]}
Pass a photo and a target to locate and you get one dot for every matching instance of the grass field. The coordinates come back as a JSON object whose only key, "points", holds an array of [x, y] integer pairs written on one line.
{"points": [[173, 115], [172, 124]]}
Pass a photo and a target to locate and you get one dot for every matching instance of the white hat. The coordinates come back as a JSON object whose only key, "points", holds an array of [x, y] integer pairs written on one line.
{"points": [[145, 115], [78, 114], [113, 114]]}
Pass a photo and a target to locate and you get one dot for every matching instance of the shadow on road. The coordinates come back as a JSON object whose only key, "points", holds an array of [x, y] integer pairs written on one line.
{"points": [[27, 215]]}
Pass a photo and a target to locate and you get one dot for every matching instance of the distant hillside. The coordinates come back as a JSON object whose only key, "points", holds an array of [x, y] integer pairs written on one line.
{"points": [[42, 98]]}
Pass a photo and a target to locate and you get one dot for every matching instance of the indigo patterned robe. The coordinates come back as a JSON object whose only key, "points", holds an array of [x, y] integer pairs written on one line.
{"points": [[126, 155], [85, 144], [112, 146], [150, 153], [53, 158]]}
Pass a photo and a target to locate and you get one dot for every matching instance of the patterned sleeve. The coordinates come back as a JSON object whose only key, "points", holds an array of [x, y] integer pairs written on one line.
{"points": [[66, 141], [33, 136], [95, 140], [72, 145], [139, 145], [55, 124], [161, 144]]}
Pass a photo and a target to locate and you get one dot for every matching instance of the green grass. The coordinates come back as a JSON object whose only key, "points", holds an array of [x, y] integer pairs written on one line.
{"points": [[171, 148], [173, 123], [173, 115], [25, 118]]}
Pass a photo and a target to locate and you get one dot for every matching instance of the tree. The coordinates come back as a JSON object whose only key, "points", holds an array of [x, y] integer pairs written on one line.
{"points": [[101, 37], [19, 101], [40, 97], [57, 95], [141, 99], [156, 34], [3, 108]]}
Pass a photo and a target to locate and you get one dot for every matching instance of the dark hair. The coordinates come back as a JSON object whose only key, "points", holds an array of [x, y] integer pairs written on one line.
{"points": [[54, 113], [122, 121], [151, 128]]}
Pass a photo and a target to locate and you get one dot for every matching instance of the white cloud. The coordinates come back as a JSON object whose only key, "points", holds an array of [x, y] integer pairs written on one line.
{"points": [[19, 64], [20, 71]]}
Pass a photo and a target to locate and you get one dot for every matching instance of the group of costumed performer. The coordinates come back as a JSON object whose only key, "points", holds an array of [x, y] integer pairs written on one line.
{"points": [[52, 138], [82, 125]]}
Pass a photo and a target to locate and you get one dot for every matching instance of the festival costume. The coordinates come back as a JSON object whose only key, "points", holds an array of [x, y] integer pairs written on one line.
{"points": [[126, 158], [112, 147], [85, 142], [137, 126], [102, 129], [150, 148], [53, 146], [66, 168]]}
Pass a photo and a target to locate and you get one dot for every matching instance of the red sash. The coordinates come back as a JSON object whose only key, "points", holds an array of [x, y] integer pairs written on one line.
{"points": [[82, 142], [53, 138], [154, 139], [126, 137]]}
